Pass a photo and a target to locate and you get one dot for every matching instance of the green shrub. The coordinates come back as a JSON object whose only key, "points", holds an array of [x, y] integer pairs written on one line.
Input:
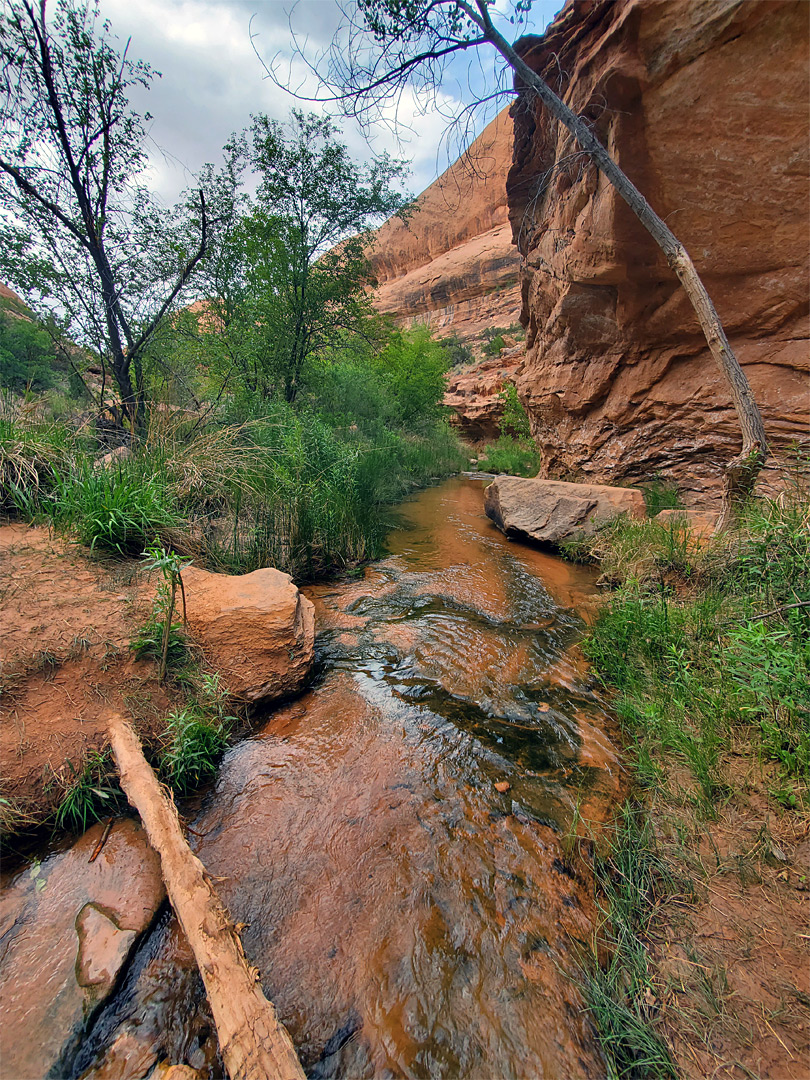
{"points": [[89, 794], [514, 457], [26, 355], [195, 738]]}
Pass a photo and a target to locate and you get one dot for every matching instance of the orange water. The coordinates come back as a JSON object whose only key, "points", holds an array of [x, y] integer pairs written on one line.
{"points": [[407, 918]]}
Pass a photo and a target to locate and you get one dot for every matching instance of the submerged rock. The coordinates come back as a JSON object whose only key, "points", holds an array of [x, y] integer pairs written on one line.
{"points": [[552, 511], [257, 630], [68, 926]]}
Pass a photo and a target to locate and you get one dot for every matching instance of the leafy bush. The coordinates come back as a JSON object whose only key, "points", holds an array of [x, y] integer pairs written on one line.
{"points": [[26, 355]]}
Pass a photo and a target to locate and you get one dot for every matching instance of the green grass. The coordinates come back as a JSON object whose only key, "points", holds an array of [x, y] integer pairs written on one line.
{"points": [[195, 738], [704, 655], [511, 456], [90, 793], [619, 992], [694, 663]]}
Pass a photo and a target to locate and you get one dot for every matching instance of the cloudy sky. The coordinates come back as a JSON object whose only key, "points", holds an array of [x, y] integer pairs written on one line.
{"points": [[212, 80]]}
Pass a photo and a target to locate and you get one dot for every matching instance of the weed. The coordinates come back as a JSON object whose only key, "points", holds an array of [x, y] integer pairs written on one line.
{"points": [[620, 992], [195, 739], [89, 794], [659, 495]]}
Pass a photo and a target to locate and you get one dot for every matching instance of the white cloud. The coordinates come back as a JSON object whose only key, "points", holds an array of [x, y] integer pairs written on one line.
{"points": [[212, 80]]}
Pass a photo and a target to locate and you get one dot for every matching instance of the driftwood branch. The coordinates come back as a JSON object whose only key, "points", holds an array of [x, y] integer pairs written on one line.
{"points": [[254, 1044], [779, 610]]}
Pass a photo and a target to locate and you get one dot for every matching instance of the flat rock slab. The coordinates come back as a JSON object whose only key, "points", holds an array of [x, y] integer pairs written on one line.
{"points": [[700, 522], [552, 511], [257, 630], [67, 927]]}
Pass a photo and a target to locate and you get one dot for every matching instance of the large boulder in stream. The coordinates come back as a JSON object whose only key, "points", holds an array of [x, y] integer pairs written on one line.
{"points": [[68, 926], [552, 511], [256, 630]]}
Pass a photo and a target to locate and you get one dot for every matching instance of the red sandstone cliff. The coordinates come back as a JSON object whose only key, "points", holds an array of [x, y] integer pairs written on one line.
{"points": [[453, 264], [704, 103]]}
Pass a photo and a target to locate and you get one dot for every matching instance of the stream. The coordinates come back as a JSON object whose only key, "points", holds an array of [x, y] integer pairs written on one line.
{"points": [[408, 917]]}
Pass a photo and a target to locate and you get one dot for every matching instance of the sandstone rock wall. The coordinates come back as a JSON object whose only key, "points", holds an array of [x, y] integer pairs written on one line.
{"points": [[704, 103], [453, 264]]}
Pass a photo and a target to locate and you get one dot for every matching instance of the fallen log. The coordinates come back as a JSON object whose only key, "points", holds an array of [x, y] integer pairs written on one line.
{"points": [[254, 1044]]}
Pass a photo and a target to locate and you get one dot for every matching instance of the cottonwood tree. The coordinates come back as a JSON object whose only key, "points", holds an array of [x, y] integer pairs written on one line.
{"points": [[291, 274], [80, 233], [388, 45]]}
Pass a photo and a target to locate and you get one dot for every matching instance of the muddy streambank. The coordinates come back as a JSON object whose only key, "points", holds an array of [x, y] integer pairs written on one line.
{"points": [[394, 841]]}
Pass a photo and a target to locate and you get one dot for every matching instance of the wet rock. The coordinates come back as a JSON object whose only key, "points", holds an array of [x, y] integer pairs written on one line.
{"points": [[257, 630], [552, 511], [68, 927]]}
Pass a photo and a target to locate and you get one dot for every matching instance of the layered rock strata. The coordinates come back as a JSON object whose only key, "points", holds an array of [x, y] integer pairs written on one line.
{"points": [[704, 105], [452, 264]]}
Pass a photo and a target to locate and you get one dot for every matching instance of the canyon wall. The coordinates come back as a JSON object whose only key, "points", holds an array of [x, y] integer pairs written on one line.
{"points": [[704, 104], [452, 264]]}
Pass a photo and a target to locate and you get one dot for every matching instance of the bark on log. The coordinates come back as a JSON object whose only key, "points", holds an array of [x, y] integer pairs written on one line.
{"points": [[253, 1042]]}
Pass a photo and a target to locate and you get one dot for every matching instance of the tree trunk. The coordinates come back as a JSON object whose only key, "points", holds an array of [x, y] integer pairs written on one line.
{"points": [[253, 1043], [741, 473]]}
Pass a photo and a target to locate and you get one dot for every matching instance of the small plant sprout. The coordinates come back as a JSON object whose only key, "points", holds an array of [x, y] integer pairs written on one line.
{"points": [[170, 565]]}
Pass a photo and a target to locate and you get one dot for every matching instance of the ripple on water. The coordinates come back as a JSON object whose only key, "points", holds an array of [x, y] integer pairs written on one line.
{"points": [[407, 918]]}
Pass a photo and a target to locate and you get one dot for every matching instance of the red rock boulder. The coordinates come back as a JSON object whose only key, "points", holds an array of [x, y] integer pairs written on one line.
{"points": [[552, 511], [257, 630]]}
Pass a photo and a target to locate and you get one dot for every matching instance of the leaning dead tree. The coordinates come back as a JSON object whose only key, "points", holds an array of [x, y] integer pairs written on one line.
{"points": [[389, 45], [253, 1042]]}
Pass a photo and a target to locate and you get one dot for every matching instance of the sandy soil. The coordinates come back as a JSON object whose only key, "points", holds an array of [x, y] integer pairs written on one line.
{"points": [[66, 619], [733, 959]]}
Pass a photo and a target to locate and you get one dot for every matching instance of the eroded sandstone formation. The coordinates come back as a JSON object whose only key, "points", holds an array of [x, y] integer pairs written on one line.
{"points": [[452, 264], [704, 105], [474, 393]]}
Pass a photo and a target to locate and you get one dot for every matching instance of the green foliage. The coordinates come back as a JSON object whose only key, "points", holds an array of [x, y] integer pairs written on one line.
{"points": [[513, 457], [659, 495], [32, 454], [619, 992], [459, 352], [696, 671], [89, 794], [26, 355], [195, 739], [118, 510], [515, 452], [291, 270], [413, 366], [494, 337], [514, 418], [150, 639]]}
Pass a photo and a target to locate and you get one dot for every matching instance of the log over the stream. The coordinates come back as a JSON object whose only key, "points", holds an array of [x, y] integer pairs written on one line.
{"points": [[254, 1044]]}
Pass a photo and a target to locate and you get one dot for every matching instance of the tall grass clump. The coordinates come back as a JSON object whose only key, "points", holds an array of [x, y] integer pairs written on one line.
{"points": [[619, 992], [195, 738]]}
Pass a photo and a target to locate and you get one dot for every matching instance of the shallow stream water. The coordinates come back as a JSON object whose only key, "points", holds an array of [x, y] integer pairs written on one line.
{"points": [[407, 917]]}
